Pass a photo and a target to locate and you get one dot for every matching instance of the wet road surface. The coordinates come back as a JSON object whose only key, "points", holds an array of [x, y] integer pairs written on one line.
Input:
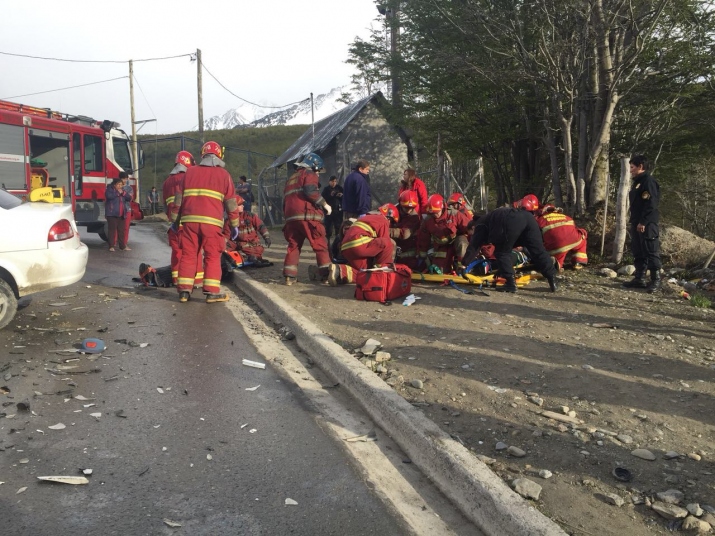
{"points": [[179, 436]]}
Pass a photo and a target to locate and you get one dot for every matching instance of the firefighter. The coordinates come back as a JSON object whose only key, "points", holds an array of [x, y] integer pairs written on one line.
{"points": [[183, 161], [303, 207], [250, 227], [506, 228], [201, 199], [405, 231], [459, 202], [410, 182], [366, 244], [644, 197], [559, 232], [445, 231]]}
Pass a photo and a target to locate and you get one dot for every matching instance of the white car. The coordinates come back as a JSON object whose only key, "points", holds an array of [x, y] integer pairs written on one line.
{"points": [[39, 249]]}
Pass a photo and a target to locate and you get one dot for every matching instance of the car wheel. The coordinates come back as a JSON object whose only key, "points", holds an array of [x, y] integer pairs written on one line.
{"points": [[8, 304], [104, 233]]}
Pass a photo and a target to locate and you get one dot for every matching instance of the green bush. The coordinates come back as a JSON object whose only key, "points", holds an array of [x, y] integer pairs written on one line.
{"points": [[700, 300]]}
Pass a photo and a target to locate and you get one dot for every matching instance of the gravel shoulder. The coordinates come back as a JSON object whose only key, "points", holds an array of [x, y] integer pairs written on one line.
{"points": [[627, 369]]}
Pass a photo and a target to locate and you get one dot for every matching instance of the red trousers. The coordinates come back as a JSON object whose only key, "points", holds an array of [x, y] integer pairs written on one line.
{"points": [[175, 244], [577, 250], [296, 232], [194, 238], [379, 250], [254, 249]]}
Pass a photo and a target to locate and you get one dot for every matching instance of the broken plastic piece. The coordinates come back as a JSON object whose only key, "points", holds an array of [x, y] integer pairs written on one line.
{"points": [[291, 502], [73, 480], [92, 346], [58, 426], [170, 523], [87, 471], [254, 364], [252, 388]]}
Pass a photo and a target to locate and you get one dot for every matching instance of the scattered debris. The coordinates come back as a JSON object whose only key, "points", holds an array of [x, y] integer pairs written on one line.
{"points": [[254, 364], [21, 490], [58, 426], [209, 457], [73, 480], [370, 347], [160, 390], [87, 471], [170, 523], [370, 436], [252, 388], [526, 488], [95, 415], [291, 502]]}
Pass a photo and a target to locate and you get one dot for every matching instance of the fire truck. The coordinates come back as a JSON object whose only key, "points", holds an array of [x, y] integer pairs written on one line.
{"points": [[75, 156]]}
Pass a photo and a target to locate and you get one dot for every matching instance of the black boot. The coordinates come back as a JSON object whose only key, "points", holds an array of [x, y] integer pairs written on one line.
{"points": [[509, 285], [638, 280], [654, 284], [552, 283]]}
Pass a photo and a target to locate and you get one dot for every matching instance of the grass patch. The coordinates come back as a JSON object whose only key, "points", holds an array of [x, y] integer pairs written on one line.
{"points": [[700, 300]]}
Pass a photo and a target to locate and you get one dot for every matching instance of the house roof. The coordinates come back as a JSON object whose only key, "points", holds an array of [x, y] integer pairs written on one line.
{"points": [[327, 129]]}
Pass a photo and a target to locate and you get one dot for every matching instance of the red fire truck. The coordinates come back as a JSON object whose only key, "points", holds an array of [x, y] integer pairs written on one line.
{"points": [[76, 156]]}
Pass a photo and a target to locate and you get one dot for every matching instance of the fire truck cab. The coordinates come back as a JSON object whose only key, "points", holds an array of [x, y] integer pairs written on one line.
{"points": [[75, 156]]}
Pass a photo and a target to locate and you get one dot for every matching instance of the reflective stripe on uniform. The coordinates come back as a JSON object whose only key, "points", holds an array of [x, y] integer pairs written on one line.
{"points": [[212, 282], [357, 242], [306, 217], [196, 218], [409, 253], [185, 281], [558, 224], [579, 256], [203, 192], [169, 200], [565, 248], [439, 255], [365, 227]]}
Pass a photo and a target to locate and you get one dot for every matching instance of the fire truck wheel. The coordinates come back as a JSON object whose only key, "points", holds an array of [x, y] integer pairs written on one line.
{"points": [[104, 232], [8, 304]]}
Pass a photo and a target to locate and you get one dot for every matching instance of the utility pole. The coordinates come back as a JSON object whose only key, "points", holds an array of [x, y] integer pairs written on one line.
{"points": [[199, 69], [135, 152], [391, 11], [312, 121]]}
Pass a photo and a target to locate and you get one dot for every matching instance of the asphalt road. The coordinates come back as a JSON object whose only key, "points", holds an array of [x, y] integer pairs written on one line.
{"points": [[190, 443]]}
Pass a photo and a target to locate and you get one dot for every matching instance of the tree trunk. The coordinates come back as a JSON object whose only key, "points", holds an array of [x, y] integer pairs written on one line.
{"points": [[567, 146], [619, 239], [551, 145]]}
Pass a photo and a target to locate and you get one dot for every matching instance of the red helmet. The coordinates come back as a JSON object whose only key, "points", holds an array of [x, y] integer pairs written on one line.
{"points": [[529, 202], [435, 204], [408, 199], [457, 199], [390, 212], [211, 147], [184, 158]]}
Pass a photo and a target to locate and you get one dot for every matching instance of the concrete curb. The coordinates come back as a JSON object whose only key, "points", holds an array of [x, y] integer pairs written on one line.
{"points": [[481, 496]]}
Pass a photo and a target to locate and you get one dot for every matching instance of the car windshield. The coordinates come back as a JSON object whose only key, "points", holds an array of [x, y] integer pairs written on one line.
{"points": [[8, 201], [121, 153]]}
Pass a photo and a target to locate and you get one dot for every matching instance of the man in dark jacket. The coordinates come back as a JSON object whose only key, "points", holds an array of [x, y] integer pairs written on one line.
{"points": [[356, 195], [333, 194], [644, 197], [507, 228]]}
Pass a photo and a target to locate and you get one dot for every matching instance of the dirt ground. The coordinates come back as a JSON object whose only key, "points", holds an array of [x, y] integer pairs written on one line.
{"points": [[637, 371]]}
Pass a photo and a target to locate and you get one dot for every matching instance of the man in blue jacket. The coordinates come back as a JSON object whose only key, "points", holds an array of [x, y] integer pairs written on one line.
{"points": [[356, 192]]}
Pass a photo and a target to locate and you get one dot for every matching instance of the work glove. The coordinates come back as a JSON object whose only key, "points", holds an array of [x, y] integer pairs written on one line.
{"points": [[328, 209], [267, 240], [234, 233]]}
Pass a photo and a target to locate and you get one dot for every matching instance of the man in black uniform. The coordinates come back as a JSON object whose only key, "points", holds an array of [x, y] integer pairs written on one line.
{"points": [[333, 194], [645, 245], [507, 228]]}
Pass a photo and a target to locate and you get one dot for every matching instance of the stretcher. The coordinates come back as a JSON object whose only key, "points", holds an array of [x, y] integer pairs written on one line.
{"points": [[490, 280]]}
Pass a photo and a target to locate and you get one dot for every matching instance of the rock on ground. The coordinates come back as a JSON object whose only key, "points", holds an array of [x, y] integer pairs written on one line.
{"points": [[669, 511], [527, 488], [683, 247], [693, 523]]}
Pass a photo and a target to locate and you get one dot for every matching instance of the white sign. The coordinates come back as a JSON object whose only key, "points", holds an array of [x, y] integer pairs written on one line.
{"points": [[14, 158]]}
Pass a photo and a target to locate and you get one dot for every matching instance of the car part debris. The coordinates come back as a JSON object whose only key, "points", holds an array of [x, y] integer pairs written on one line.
{"points": [[58, 426], [73, 480], [254, 364]]}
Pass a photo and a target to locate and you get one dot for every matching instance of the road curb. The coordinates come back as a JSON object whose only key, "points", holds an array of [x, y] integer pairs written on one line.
{"points": [[481, 496]]}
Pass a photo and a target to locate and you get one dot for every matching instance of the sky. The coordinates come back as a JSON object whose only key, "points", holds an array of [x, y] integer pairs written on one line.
{"points": [[271, 52]]}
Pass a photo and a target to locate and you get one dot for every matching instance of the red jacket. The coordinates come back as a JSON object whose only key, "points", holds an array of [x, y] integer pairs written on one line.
{"points": [[171, 185], [301, 197], [361, 232], [443, 230], [559, 232], [204, 194], [419, 187], [249, 227]]}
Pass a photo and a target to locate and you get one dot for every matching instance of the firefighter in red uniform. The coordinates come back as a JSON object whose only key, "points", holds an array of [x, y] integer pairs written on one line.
{"points": [[303, 207], [459, 202], [206, 191], [559, 232], [184, 160], [366, 244], [249, 227], [405, 231], [446, 231], [411, 182]]}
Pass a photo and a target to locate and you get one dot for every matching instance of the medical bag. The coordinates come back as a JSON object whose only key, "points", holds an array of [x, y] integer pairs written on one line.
{"points": [[383, 284]]}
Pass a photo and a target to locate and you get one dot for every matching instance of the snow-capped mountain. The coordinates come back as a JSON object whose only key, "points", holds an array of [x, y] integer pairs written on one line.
{"points": [[248, 115]]}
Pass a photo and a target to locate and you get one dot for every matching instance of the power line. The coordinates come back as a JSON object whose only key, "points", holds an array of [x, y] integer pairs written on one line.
{"points": [[244, 100], [95, 61], [64, 88], [144, 95]]}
